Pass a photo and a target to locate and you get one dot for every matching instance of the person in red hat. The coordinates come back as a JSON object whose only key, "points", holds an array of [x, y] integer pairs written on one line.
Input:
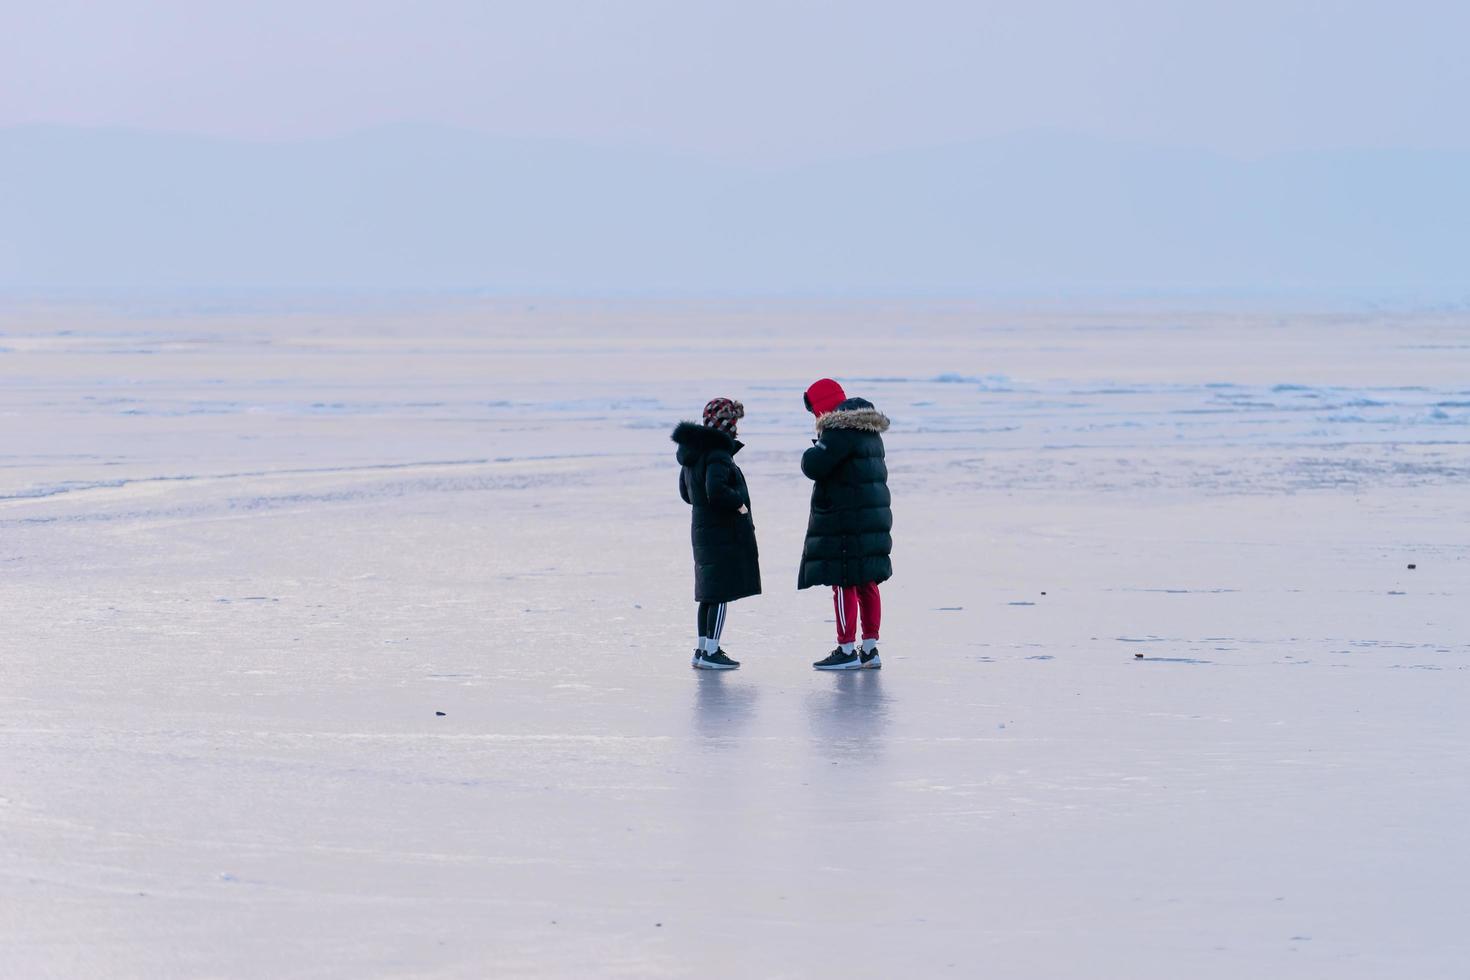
{"points": [[849, 533], [726, 560]]}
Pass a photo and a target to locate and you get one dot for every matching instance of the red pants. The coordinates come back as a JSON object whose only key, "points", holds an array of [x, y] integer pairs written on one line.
{"points": [[851, 599]]}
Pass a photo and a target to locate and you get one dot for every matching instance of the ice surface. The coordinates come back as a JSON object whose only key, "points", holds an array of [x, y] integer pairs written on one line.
{"points": [[247, 559]]}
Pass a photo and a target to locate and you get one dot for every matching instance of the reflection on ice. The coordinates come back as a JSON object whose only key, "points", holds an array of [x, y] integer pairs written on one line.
{"points": [[724, 703], [849, 711]]}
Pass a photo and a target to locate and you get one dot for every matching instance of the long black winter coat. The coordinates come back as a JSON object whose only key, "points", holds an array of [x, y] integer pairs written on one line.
{"points": [[848, 537], [726, 562]]}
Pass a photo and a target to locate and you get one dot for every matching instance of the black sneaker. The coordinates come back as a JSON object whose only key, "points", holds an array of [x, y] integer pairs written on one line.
{"points": [[715, 661], [837, 660], [870, 661]]}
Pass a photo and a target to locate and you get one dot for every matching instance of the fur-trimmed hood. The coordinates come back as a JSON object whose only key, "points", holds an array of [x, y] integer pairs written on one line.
{"points": [[695, 440], [855, 413]]}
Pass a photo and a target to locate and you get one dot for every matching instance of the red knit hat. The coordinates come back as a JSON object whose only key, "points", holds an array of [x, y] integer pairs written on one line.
{"points": [[823, 396]]}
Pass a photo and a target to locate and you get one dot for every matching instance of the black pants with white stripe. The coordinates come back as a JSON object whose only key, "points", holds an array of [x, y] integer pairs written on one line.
{"points": [[711, 621]]}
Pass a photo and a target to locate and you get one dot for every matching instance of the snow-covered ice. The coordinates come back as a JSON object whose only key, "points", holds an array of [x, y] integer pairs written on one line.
{"points": [[248, 558]]}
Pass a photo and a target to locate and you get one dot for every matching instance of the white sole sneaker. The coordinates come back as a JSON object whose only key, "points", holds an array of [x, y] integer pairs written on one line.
{"points": [[874, 663], [701, 664], [855, 665]]}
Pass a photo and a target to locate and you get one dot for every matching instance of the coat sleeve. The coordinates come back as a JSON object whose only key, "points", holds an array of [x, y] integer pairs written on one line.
{"points": [[717, 484], [683, 488], [819, 461]]}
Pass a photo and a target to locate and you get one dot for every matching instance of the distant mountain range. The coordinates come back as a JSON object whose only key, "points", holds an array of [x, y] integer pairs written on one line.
{"points": [[412, 207]]}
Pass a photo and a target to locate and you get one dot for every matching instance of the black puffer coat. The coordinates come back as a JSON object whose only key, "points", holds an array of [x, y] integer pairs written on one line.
{"points": [[726, 562], [848, 537]]}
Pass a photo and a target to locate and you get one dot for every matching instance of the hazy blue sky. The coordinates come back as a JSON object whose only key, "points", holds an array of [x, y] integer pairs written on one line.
{"points": [[904, 147], [758, 81]]}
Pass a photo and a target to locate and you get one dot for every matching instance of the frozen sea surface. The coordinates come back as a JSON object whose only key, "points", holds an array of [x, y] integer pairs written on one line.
{"points": [[248, 560]]}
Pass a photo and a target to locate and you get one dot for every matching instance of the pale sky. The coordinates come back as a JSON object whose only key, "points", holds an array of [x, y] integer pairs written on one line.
{"points": [[772, 82]]}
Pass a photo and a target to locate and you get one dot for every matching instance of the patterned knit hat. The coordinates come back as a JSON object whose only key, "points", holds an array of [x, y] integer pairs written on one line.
{"points": [[722, 413]]}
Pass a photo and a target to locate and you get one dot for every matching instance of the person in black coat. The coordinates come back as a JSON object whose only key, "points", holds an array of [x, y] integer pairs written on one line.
{"points": [[849, 534], [726, 561]]}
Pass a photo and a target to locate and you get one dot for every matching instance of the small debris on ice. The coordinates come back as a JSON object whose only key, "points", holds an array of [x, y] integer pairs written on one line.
{"points": [[439, 713]]}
